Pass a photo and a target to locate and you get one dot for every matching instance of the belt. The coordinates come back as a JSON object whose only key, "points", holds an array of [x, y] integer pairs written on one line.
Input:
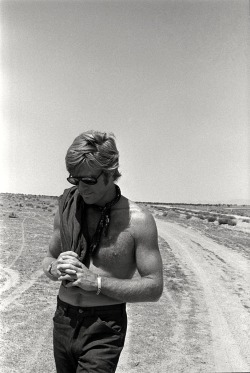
{"points": [[90, 310]]}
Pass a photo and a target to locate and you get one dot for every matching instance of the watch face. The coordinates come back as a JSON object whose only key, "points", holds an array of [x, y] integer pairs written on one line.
{"points": [[49, 268]]}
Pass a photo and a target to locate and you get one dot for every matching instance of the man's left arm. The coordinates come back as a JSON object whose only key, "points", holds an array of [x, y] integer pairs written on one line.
{"points": [[146, 288]]}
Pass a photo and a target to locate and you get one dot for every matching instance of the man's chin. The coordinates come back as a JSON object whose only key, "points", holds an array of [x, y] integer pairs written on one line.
{"points": [[88, 198]]}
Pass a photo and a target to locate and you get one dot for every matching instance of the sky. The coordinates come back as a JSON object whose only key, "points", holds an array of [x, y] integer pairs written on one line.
{"points": [[169, 78]]}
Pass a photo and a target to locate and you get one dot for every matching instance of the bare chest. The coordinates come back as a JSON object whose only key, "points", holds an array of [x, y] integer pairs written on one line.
{"points": [[115, 254]]}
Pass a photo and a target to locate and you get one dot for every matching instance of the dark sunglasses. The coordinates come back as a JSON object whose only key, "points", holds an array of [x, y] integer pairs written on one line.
{"points": [[91, 180]]}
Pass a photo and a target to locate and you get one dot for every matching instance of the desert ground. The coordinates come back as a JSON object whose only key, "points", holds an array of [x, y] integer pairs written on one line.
{"points": [[200, 324]]}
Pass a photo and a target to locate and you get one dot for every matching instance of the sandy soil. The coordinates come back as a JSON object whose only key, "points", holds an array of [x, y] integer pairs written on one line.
{"points": [[201, 323]]}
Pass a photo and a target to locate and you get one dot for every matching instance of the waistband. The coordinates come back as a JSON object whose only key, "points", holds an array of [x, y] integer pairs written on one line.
{"points": [[91, 310]]}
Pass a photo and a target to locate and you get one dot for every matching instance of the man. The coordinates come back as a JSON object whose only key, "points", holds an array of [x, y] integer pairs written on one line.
{"points": [[100, 239]]}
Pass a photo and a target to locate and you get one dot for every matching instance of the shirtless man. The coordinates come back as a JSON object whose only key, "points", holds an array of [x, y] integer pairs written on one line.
{"points": [[100, 239]]}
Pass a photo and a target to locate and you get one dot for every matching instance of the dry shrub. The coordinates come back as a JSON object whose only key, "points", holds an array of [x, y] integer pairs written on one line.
{"points": [[19, 204], [172, 214], [245, 220], [200, 216], [222, 221], [227, 220], [13, 215], [188, 216], [29, 204], [211, 219], [232, 222]]}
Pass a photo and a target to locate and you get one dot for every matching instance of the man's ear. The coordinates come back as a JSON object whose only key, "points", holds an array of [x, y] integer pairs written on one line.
{"points": [[107, 176]]}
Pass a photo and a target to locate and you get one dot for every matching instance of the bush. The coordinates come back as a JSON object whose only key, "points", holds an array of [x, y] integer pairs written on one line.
{"points": [[200, 216], [29, 204], [246, 220], [227, 220], [188, 216], [223, 221], [172, 214], [232, 222], [13, 215], [211, 219]]}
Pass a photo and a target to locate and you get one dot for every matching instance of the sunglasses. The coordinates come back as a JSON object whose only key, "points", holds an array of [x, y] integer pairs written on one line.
{"points": [[91, 180]]}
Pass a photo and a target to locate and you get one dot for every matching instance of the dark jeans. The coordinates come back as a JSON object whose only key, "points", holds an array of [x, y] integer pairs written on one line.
{"points": [[88, 339]]}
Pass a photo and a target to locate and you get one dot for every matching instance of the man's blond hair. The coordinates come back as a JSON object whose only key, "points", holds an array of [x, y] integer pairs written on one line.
{"points": [[97, 150]]}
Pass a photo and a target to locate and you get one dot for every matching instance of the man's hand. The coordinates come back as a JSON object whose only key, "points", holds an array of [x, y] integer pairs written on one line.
{"points": [[77, 274], [66, 265]]}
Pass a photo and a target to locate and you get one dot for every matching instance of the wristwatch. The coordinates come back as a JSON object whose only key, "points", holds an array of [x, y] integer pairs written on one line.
{"points": [[49, 270]]}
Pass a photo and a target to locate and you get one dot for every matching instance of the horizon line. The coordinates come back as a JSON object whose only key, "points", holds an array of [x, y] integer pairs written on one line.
{"points": [[241, 201]]}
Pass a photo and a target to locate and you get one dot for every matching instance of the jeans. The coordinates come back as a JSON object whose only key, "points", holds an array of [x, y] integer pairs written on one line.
{"points": [[88, 339]]}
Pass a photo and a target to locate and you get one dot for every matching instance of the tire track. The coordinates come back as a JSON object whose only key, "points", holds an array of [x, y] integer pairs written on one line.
{"points": [[20, 290], [11, 274], [13, 277], [22, 245], [229, 354]]}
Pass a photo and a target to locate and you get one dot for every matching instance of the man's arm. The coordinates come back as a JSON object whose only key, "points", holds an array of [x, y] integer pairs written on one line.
{"points": [[55, 256], [149, 286], [146, 288], [54, 251]]}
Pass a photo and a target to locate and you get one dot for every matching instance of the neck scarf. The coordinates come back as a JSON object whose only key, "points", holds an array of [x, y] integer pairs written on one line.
{"points": [[73, 224], [104, 221]]}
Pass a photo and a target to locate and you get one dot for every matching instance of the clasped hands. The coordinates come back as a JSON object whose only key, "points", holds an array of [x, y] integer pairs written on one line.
{"points": [[74, 272]]}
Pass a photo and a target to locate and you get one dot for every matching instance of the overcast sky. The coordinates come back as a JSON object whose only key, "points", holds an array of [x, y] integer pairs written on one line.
{"points": [[168, 78]]}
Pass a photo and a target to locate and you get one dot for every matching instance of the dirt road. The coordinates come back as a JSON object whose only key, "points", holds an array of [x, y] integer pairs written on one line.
{"points": [[223, 279]]}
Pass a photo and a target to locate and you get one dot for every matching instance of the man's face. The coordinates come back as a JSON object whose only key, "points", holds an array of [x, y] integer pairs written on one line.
{"points": [[92, 194]]}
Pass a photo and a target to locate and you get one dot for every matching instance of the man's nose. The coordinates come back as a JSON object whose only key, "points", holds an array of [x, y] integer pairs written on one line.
{"points": [[83, 186]]}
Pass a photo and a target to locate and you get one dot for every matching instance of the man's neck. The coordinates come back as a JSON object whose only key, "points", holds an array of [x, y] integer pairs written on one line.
{"points": [[107, 197]]}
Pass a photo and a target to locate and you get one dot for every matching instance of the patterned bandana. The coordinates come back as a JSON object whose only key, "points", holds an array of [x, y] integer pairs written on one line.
{"points": [[104, 222], [73, 224]]}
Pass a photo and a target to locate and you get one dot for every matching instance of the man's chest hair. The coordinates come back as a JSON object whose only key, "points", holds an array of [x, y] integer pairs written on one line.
{"points": [[118, 245], [117, 249]]}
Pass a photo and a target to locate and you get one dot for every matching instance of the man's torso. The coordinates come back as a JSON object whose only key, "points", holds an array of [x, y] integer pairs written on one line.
{"points": [[115, 256]]}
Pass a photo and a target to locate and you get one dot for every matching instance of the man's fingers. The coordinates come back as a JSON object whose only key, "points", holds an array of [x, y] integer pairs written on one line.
{"points": [[71, 284], [70, 253], [66, 268], [65, 276], [68, 272], [70, 260]]}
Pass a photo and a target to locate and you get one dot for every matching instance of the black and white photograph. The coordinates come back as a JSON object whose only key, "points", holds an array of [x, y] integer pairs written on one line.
{"points": [[125, 186]]}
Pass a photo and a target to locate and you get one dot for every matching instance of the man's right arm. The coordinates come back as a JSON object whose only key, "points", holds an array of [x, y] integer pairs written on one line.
{"points": [[55, 249]]}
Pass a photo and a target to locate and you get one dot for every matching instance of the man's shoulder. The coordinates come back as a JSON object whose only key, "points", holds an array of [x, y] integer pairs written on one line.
{"points": [[142, 223], [139, 214]]}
